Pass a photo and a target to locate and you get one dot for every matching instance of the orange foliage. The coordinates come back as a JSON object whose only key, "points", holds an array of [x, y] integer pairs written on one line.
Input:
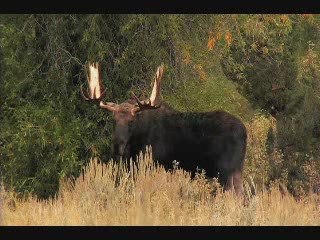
{"points": [[211, 42], [307, 15], [228, 38], [284, 18]]}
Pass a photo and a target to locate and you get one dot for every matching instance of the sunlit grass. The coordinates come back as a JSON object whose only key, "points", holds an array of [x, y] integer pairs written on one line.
{"points": [[146, 194]]}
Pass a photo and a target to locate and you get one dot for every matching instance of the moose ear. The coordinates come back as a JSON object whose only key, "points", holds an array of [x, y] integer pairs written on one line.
{"points": [[135, 111]]}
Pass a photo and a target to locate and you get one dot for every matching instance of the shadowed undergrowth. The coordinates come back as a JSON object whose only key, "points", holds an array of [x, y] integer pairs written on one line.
{"points": [[145, 194]]}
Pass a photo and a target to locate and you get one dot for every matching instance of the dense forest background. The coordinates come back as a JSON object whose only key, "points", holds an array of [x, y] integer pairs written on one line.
{"points": [[262, 68]]}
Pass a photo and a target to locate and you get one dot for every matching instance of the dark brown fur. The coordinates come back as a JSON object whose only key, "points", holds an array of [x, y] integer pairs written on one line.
{"points": [[213, 141]]}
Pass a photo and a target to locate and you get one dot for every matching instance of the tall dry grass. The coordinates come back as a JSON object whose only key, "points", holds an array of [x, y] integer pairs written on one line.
{"points": [[146, 194]]}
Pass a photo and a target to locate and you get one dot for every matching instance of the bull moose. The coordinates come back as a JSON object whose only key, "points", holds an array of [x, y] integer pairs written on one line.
{"points": [[214, 141]]}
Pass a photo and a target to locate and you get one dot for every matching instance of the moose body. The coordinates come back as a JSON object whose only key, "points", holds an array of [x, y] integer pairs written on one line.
{"points": [[213, 141]]}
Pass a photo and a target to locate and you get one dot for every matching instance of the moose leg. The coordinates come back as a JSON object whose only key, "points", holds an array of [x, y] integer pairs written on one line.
{"points": [[227, 181], [237, 182], [233, 182]]}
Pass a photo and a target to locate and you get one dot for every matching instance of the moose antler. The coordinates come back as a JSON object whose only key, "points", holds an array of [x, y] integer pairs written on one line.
{"points": [[155, 100], [96, 90], [95, 83]]}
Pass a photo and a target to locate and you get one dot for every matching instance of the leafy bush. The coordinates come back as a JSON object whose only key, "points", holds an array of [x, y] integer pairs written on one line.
{"points": [[276, 68], [262, 60], [47, 131]]}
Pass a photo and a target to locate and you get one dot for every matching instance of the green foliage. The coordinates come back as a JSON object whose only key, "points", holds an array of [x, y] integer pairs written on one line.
{"points": [[42, 134], [216, 93], [47, 131], [41, 146], [262, 59], [273, 60], [301, 124], [298, 129]]}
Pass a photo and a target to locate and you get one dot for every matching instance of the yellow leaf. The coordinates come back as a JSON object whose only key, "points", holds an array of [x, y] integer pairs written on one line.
{"points": [[265, 50], [202, 74], [186, 58], [218, 35]]}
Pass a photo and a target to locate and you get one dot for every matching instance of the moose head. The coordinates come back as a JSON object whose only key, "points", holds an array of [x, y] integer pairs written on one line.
{"points": [[126, 113]]}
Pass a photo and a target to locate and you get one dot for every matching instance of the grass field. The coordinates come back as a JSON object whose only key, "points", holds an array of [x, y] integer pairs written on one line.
{"points": [[111, 195], [146, 194]]}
